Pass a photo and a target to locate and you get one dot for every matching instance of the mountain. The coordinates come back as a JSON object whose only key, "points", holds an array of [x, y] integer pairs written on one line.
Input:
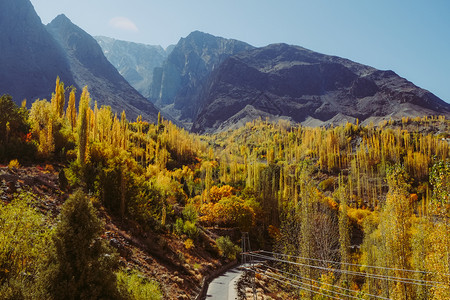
{"points": [[30, 59], [177, 84], [302, 86], [135, 62], [33, 55], [90, 67]]}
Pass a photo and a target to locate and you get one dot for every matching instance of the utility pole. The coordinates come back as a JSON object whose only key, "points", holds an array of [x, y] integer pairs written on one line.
{"points": [[245, 245]]}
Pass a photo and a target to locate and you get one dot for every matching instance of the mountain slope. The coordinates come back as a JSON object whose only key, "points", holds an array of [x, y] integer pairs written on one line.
{"points": [[177, 84], [90, 67], [135, 62], [30, 59], [291, 82]]}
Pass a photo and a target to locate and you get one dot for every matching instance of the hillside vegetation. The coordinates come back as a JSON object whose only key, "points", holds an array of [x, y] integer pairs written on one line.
{"points": [[367, 195]]}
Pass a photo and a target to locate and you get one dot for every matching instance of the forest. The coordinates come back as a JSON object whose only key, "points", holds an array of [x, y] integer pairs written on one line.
{"points": [[372, 198]]}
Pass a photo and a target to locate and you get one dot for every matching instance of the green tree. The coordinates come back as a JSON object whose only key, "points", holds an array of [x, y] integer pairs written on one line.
{"points": [[80, 264], [13, 128]]}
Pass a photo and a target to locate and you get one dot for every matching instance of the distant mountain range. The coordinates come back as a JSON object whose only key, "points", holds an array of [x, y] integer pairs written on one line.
{"points": [[290, 82], [220, 84], [33, 55], [205, 83], [135, 62]]}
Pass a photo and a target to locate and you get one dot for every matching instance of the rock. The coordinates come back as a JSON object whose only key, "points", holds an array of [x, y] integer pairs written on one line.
{"points": [[178, 280]]}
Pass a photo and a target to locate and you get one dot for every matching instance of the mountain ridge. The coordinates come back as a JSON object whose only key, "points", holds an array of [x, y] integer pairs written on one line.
{"points": [[293, 82], [176, 85], [34, 55], [30, 59], [91, 68]]}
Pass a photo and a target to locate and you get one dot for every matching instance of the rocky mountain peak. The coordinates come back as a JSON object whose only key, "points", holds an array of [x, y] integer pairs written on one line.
{"points": [[30, 58], [177, 84], [91, 68]]}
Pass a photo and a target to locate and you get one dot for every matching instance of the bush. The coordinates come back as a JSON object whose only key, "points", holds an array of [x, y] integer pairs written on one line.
{"points": [[14, 164], [188, 244], [24, 237], [135, 286], [178, 226], [327, 184], [190, 214], [190, 229], [227, 248]]}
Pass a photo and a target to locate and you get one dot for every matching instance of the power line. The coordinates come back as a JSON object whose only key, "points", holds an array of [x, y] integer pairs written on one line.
{"points": [[375, 276], [316, 281], [349, 264], [295, 285], [356, 273]]}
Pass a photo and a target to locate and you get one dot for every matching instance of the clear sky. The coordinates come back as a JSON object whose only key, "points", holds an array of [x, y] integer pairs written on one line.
{"points": [[410, 37]]}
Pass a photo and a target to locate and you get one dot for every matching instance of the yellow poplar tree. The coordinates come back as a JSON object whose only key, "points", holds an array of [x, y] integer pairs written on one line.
{"points": [[58, 99], [71, 112], [82, 129]]}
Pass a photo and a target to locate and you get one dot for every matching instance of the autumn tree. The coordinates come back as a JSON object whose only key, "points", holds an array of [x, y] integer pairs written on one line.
{"points": [[41, 119], [58, 99], [438, 258], [344, 237], [82, 123], [71, 112], [396, 224]]}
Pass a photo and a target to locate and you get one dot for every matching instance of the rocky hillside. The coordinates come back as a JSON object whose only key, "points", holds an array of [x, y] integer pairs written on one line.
{"points": [[90, 67], [160, 256], [177, 84], [30, 60], [135, 62], [293, 83]]}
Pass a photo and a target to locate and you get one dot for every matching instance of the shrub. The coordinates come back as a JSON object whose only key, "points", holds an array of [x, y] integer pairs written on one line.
{"points": [[178, 227], [190, 214], [14, 164], [227, 248], [135, 286], [190, 229], [327, 184], [188, 244]]}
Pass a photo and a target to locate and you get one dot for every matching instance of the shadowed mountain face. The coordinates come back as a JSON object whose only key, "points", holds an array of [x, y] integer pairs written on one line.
{"points": [[135, 62], [177, 84], [30, 59], [293, 83], [32, 56], [90, 67]]}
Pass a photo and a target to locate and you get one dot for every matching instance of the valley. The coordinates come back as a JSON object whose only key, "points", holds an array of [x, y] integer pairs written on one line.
{"points": [[133, 171]]}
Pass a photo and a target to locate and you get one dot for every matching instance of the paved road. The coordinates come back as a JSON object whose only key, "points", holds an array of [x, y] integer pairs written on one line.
{"points": [[224, 286]]}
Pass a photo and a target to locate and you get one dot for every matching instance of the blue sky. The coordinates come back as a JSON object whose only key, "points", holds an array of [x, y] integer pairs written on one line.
{"points": [[410, 37]]}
